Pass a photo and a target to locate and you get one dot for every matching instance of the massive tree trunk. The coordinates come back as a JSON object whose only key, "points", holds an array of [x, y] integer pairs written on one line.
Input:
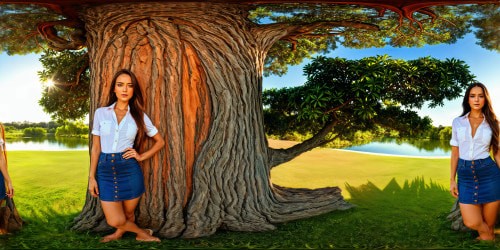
{"points": [[200, 68]]}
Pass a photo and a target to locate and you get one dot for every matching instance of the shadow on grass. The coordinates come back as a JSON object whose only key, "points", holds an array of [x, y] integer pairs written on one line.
{"points": [[414, 192], [411, 215]]}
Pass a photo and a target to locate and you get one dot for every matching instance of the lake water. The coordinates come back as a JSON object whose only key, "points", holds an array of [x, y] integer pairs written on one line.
{"points": [[390, 146], [406, 147], [47, 144]]}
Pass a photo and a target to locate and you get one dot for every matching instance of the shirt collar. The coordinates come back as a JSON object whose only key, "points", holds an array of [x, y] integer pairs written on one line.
{"points": [[112, 106], [466, 116]]}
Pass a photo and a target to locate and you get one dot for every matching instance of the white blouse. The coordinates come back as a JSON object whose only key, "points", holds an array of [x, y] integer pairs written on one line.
{"points": [[471, 148], [114, 137], [2, 145]]}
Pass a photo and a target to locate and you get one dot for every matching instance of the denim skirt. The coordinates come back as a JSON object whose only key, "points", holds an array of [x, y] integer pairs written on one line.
{"points": [[478, 181], [2, 187], [119, 179]]}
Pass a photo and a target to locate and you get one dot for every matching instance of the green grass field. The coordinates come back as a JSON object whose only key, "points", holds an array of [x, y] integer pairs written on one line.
{"points": [[400, 203]]}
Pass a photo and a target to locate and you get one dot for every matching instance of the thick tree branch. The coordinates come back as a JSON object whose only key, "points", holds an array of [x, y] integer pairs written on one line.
{"points": [[294, 30], [48, 31], [278, 156]]}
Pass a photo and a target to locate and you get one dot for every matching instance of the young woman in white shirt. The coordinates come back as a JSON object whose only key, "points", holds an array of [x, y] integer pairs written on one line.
{"points": [[115, 174], [474, 136], [6, 188]]}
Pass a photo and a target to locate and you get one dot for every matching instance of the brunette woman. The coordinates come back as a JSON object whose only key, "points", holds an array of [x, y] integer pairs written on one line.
{"points": [[474, 136], [6, 188], [115, 174]]}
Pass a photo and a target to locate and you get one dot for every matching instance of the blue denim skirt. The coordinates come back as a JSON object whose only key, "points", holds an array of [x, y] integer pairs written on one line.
{"points": [[478, 181], [2, 187], [119, 179]]}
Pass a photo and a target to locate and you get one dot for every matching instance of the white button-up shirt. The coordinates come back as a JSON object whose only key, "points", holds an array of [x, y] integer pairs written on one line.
{"points": [[115, 138], [471, 148]]}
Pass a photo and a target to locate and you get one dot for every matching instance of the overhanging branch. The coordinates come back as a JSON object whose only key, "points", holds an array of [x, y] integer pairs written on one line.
{"points": [[293, 31], [278, 156], [49, 32]]}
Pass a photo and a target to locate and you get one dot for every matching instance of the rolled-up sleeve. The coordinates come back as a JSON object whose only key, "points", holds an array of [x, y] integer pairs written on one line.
{"points": [[151, 130], [96, 128], [454, 138]]}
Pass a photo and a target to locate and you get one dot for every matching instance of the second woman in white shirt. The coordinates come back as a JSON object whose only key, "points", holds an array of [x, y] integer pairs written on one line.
{"points": [[474, 135]]}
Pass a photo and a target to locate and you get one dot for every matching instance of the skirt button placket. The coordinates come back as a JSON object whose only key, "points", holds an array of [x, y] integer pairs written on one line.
{"points": [[475, 180], [114, 176]]}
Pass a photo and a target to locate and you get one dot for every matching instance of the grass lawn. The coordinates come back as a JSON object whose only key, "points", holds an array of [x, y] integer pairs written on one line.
{"points": [[400, 203]]}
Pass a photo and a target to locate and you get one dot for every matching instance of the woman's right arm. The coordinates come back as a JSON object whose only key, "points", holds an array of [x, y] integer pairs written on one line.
{"points": [[5, 173], [453, 171], [94, 159]]}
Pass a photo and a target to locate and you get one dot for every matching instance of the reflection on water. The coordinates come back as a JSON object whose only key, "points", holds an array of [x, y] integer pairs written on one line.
{"points": [[47, 143], [409, 147]]}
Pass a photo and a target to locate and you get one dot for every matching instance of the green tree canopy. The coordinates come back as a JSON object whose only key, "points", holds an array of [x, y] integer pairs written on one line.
{"points": [[322, 28], [68, 98], [358, 94]]}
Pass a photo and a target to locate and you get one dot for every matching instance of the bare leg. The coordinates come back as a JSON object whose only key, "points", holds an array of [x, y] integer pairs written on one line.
{"points": [[490, 212], [115, 217], [129, 209], [473, 219]]}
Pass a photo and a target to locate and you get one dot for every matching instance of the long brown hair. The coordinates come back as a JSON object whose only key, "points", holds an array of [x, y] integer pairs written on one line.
{"points": [[488, 113], [136, 104]]}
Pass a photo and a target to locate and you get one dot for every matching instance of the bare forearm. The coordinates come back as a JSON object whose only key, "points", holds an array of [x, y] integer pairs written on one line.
{"points": [[94, 157], [3, 167], [159, 143], [453, 163]]}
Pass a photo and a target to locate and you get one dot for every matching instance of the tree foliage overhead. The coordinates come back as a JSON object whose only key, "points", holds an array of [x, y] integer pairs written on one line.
{"points": [[366, 27], [358, 94], [18, 28], [68, 97], [487, 24], [317, 28]]}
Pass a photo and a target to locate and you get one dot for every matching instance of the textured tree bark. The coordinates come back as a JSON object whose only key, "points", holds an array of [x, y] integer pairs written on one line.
{"points": [[200, 68], [457, 222]]}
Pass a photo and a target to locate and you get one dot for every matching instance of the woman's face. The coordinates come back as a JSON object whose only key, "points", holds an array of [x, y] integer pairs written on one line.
{"points": [[476, 98], [124, 89]]}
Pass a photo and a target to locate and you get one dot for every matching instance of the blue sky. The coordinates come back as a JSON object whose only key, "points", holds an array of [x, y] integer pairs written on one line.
{"points": [[20, 88], [484, 64]]}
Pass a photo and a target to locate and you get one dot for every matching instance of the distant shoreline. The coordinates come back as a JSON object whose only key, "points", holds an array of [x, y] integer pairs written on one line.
{"points": [[393, 155]]}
